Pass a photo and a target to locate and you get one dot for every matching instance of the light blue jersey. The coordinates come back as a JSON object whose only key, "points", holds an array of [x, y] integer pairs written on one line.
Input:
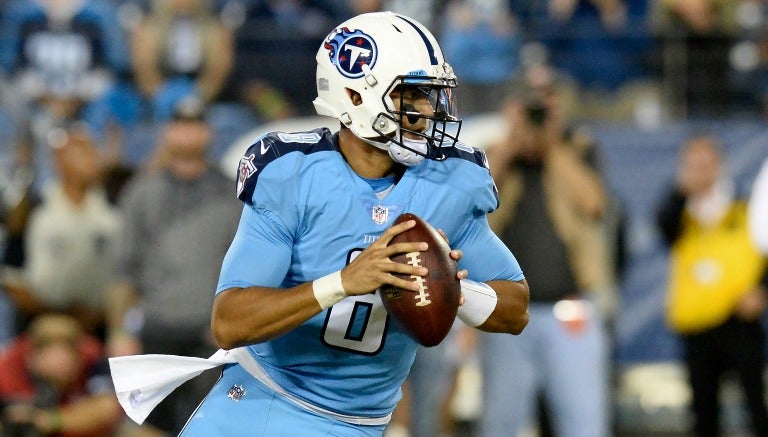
{"points": [[307, 214]]}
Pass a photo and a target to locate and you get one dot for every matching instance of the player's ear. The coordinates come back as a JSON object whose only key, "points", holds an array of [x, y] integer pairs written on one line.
{"points": [[354, 96]]}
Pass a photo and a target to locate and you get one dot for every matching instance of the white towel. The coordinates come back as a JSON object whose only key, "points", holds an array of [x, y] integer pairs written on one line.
{"points": [[142, 381]]}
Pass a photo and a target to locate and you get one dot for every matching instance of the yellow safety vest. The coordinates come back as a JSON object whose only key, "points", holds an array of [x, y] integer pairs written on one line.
{"points": [[711, 268]]}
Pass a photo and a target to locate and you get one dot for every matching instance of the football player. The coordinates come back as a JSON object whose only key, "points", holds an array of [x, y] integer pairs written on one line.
{"points": [[317, 353]]}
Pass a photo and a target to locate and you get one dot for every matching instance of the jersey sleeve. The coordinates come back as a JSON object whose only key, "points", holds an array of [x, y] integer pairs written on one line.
{"points": [[260, 253], [270, 176], [486, 257]]}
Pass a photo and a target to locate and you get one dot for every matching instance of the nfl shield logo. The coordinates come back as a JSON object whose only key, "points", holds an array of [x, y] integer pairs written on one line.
{"points": [[236, 392], [379, 214]]}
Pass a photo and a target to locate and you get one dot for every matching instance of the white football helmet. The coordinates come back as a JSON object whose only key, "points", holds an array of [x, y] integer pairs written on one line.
{"points": [[372, 54]]}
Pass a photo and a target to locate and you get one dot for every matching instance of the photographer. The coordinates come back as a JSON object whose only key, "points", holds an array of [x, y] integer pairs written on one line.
{"points": [[552, 216], [55, 382]]}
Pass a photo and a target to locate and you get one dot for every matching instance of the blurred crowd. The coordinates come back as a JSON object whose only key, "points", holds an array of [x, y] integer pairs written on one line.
{"points": [[114, 214]]}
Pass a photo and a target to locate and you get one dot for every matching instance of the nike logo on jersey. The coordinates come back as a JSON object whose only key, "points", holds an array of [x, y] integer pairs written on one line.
{"points": [[264, 147]]}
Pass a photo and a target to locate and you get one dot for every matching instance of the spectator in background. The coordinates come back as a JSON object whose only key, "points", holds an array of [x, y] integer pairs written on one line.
{"points": [[36, 36], [600, 43], [71, 240], [605, 47], [696, 38], [483, 42], [758, 209], [18, 200], [179, 220], [181, 49], [715, 300], [552, 204], [66, 59], [54, 381], [276, 34]]}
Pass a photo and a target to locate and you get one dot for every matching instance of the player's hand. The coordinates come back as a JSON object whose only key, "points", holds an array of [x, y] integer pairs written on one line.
{"points": [[374, 268]]}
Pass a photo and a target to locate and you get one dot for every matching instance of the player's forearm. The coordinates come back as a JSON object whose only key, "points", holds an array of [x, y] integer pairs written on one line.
{"points": [[243, 316], [511, 312]]}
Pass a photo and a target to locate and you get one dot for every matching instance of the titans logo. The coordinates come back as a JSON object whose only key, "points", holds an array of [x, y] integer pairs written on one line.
{"points": [[349, 50]]}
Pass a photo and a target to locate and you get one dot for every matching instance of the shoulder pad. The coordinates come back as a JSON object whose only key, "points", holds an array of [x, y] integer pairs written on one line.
{"points": [[270, 147]]}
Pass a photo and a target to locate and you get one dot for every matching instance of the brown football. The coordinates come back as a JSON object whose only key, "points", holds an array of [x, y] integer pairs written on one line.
{"points": [[426, 315]]}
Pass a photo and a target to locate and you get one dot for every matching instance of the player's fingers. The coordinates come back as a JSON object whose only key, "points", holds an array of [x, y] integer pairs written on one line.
{"points": [[396, 248], [369, 273], [390, 233], [405, 284], [462, 274], [407, 269]]}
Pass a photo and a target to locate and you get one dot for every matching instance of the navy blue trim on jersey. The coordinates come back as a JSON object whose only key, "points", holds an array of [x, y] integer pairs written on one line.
{"points": [[430, 48], [272, 146], [469, 153]]}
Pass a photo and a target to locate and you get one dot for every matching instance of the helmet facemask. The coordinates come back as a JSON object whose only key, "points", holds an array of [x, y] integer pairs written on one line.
{"points": [[424, 112]]}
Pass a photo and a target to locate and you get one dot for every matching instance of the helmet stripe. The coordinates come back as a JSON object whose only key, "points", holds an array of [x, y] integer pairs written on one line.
{"points": [[430, 48]]}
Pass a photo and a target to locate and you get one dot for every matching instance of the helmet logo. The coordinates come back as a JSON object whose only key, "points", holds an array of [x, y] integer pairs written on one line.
{"points": [[349, 50]]}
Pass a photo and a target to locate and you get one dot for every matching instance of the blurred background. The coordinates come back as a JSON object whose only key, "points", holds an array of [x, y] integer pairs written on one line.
{"points": [[641, 76]]}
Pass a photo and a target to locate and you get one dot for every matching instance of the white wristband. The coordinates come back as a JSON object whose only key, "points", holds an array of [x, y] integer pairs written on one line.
{"points": [[328, 289], [479, 302]]}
